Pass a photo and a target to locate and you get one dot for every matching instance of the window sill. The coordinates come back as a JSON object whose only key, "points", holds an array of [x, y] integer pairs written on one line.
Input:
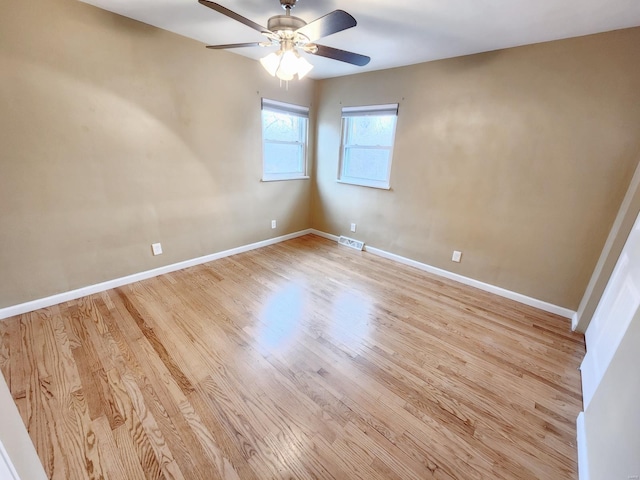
{"points": [[284, 179], [368, 185]]}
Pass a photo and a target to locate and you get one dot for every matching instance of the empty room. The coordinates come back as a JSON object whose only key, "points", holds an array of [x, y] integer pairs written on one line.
{"points": [[317, 239]]}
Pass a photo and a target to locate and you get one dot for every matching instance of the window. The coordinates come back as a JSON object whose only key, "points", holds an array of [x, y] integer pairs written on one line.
{"points": [[367, 145], [284, 140]]}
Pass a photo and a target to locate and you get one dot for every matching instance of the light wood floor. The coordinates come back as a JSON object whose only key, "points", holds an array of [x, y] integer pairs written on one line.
{"points": [[299, 360]]}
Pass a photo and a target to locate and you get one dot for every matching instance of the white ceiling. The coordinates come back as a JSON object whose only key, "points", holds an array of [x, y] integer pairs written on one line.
{"points": [[393, 32]]}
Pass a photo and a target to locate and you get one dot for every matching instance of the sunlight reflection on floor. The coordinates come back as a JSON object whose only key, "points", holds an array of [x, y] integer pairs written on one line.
{"points": [[288, 311], [282, 317]]}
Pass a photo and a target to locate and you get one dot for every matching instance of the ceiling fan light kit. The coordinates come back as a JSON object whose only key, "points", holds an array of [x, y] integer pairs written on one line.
{"points": [[286, 65], [289, 34]]}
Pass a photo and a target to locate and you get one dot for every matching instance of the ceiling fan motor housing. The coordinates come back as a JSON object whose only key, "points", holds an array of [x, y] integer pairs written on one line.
{"points": [[285, 22]]}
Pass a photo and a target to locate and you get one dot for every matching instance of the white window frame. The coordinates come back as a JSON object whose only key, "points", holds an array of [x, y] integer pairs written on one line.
{"points": [[362, 111], [303, 139]]}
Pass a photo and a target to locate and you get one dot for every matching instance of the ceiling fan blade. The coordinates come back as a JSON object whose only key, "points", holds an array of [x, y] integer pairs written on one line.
{"points": [[233, 45], [233, 15], [331, 23], [342, 55]]}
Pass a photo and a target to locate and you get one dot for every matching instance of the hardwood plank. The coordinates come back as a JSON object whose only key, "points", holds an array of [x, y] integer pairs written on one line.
{"points": [[114, 466], [110, 407], [299, 360], [37, 413], [220, 466], [158, 443], [230, 444], [64, 353], [17, 379], [5, 350], [131, 438], [160, 349]]}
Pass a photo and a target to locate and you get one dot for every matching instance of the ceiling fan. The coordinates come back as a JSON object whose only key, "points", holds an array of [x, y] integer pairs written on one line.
{"points": [[290, 33]]}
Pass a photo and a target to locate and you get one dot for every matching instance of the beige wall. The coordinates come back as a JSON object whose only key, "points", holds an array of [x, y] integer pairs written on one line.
{"points": [[114, 135], [519, 158]]}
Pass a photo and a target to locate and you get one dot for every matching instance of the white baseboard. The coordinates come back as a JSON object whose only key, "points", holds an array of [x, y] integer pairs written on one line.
{"points": [[583, 464], [328, 236], [518, 297], [136, 277], [574, 321], [118, 282]]}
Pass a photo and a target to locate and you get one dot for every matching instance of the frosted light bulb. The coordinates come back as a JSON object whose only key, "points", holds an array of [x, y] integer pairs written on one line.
{"points": [[271, 62], [288, 65], [304, 67]]}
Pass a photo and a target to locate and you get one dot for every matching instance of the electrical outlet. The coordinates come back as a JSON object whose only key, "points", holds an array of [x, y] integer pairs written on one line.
{"points": [[156, 248], [273, 224], [353, 227], [457, 256]]}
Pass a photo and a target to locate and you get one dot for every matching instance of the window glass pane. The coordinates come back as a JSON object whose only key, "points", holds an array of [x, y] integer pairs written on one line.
{"points": [[284, 139], [370, 130], [283, 158], [367, 145], [366, 163], [282, 127]]}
